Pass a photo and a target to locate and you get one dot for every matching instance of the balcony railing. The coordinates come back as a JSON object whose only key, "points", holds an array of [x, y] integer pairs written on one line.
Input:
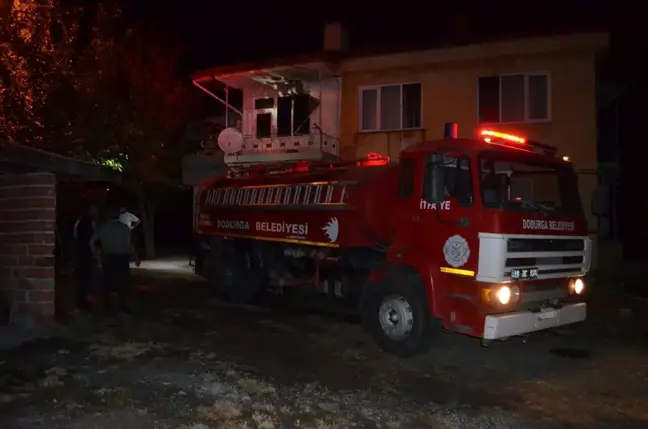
{"points": [[310, 146]]}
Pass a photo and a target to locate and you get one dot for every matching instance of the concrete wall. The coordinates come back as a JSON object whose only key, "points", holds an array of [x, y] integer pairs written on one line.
{"points": [[27, 237]]}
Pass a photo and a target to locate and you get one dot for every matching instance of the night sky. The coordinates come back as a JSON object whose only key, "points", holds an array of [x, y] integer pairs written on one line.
{"points": [[217, 33], [226, 33]]}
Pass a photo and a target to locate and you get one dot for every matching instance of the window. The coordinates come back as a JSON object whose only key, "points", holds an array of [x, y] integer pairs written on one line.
{"points": [[390, 107], [457, 180], [284, 116], [514, 98], [263, 125], [293, 115], [406, 179], [263, 103], [303, 106], [512, 182], [263, 117]]}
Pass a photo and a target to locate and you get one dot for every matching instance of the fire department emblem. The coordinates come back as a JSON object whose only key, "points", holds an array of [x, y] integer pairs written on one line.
{"points": [[456, 251], [331, 230]]}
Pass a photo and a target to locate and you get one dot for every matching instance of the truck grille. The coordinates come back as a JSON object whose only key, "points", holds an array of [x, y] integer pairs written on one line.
{"points": [[552, 256], [545, 244], [528, 262]]}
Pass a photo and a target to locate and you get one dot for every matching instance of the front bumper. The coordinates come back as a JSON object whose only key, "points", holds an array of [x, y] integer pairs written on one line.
{"points": [[523, 322]]}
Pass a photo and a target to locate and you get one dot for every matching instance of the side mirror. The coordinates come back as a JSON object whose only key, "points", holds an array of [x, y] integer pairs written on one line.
{"points": [[438, 187]]}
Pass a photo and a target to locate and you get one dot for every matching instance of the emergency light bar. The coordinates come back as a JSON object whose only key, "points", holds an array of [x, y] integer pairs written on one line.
{"points": [[489, 135], [504, 139], [373, 159]]}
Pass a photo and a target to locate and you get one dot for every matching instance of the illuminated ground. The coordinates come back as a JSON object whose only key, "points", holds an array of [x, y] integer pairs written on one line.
{"points": [[174, 266], [190, 362]]}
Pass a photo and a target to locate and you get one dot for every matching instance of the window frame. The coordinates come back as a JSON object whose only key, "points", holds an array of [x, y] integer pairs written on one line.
{"points": [[559, 169], [526, 75], [428, 179], [459, 158], [377, 88]]}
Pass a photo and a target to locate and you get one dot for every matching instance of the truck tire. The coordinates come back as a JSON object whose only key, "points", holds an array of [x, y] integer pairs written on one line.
{"points": [[395, 313], [234, 273]]}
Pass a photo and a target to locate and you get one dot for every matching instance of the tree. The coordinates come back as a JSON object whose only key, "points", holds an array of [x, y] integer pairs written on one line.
{"points": [[111, 94], [37, 48], [136, 106]]}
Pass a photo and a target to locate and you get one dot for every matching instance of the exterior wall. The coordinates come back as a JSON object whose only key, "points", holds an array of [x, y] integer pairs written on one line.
{"points": [[327, 114], [27, 237], [449, 94]]}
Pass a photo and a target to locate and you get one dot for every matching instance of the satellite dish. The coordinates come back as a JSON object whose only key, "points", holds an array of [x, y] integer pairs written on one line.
{"points": [[230, 140]]}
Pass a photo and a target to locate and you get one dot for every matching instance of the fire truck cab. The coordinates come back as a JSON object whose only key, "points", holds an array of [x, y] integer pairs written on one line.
{"points": [[483, 236]]}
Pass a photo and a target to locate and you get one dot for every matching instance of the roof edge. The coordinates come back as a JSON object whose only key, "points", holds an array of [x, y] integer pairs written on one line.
{"points": [[265, 64], [41, 160], [492, 49], [534, 44]]}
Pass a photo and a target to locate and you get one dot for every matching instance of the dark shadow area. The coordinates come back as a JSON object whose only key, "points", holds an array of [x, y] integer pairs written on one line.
{"points": [[570, 353], [292, 346]]}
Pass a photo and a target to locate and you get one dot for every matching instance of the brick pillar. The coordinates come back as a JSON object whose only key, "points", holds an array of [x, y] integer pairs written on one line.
{"points": [[27, 226]]}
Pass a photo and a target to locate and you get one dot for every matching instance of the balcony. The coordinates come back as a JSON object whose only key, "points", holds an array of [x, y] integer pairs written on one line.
{"points": [[311, 147]]}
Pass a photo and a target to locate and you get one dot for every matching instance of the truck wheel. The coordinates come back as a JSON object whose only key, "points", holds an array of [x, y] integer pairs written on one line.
{"points": [[395, 312], [234, 274]]}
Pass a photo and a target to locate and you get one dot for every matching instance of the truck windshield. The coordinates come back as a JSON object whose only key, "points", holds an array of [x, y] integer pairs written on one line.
{"points": [[518, 182]]}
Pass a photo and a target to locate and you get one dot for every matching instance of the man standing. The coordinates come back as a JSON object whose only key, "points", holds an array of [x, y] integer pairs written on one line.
{"points": [[84, 228], [116, 249]]}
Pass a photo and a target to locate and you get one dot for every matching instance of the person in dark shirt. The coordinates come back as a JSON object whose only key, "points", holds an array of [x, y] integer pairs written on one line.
{"points": [[114, 237], [84, 228]]}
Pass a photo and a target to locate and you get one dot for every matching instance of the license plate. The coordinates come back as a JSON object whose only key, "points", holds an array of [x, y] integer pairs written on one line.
{"points": [[524, 273]]}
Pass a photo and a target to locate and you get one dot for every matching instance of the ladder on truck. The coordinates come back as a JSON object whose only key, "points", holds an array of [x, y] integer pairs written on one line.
{"points": [[278, 168], [284, 167], [326, 193], [317, 194]]}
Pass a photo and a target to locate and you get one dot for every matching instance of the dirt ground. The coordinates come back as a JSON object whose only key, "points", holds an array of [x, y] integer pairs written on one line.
{"points": [[190, 362]]}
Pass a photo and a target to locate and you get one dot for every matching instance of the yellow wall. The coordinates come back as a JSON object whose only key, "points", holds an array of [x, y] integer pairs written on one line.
{"points": [[449, 94]]}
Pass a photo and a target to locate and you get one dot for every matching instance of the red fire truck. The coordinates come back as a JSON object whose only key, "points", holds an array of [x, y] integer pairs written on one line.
{"points": [[483, 236]]}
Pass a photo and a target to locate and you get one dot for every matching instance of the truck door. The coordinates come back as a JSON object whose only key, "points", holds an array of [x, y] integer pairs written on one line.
{"points": [[443, 230], [445, 234], [407, 205]]}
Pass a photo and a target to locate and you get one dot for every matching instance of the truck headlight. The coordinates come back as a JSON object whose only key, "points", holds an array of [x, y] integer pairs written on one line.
{"points": [[504, 295], [577, 286], [501, 294]]}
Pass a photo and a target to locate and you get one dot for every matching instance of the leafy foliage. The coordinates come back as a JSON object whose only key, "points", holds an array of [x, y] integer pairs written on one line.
{"points": [[82, 82], [36, 61], [116, 97], [134, 103]]}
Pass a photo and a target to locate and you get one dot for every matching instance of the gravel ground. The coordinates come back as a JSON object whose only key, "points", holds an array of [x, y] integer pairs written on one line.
{"points": [[194, 363]]}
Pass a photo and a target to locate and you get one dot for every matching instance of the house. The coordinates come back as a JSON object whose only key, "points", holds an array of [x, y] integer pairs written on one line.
{"points": [[335, 104]]}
